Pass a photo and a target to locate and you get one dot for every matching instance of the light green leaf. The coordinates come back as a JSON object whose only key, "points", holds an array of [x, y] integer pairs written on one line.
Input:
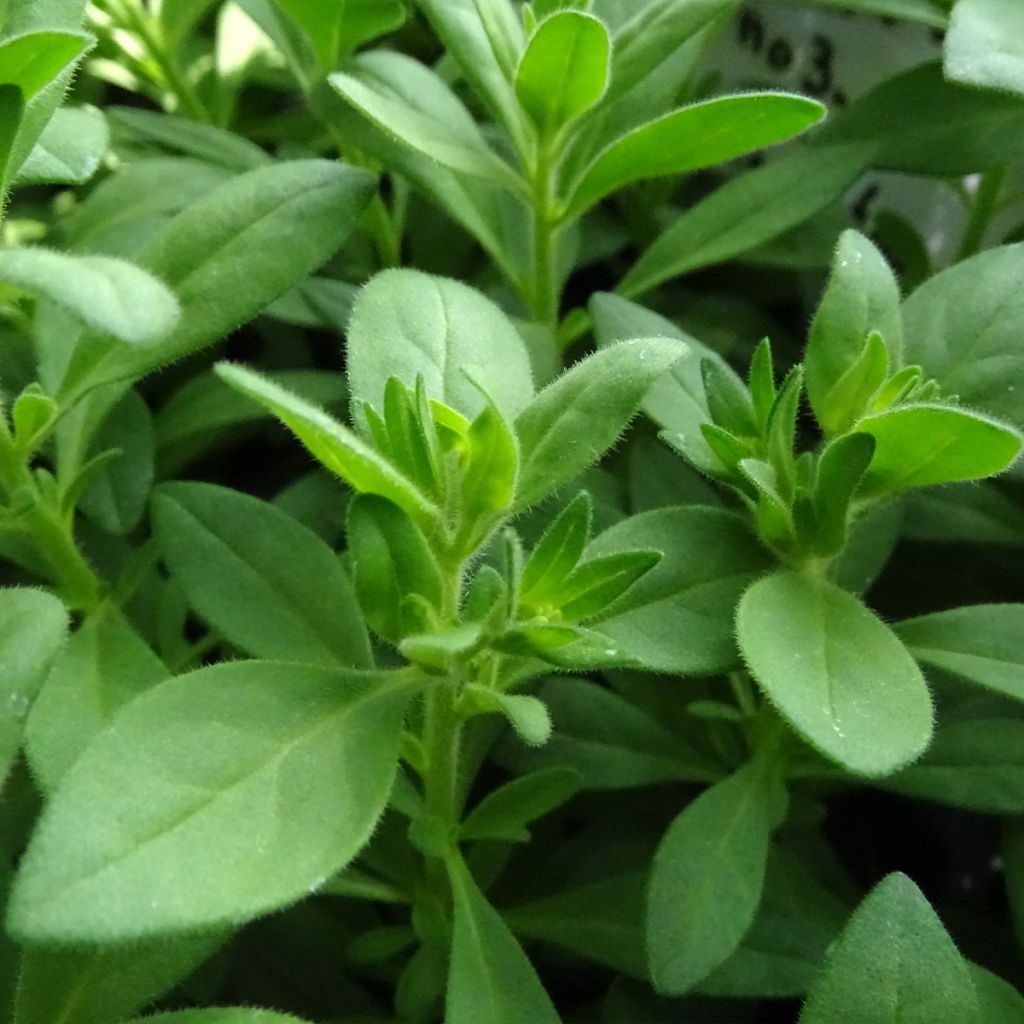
{"points": [[268, 584], [579, 416], [564, 70], [333, 444], [334, 28], [102, 667], [985, 45], [446, 134], [241, 1015], [32, 628], [692, 138], [70, 149], [678, 617], [709, 866], [836, 672], [407, 324], [105, 294], [999, 1001], [490, 978], [976, 764], [983, 643], [95, 985], [918, 121], [32, 61], [235, 790], [748, 211], [963, 328], [897, 942], [231, 253], [920, 445], [862, 296]]}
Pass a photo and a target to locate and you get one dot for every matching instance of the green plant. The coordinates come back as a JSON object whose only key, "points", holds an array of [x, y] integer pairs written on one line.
{"points": [[513, 691]]}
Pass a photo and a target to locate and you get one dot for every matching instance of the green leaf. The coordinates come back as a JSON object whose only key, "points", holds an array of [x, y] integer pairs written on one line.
{"points": [[926, 12], [579, 416], [692, 138], [564, 70], [836, 672], [268, 584], [840, 469], [391, 560], [963, 327], [32, 61], [557, 552], [95, 985], [985, 45], [897, 941], [70, 149], [917, 122], [221, 1016], [999, 1001], [446, 134], [920, 445], [33, 626], [862, 296], [341, 27], [748, 211], [597, 583], [653, 32], [678, 616], [232, 252], [485, 38], [103, 666], [105, 294], [709, 866], [490, 978], [179, 135], [983, 643], [12, 110], [408, 324], [848, 400], [505, 812], [976, 764], [528, 716], [979, 514], [331, 443], [490, 465], [199, 773]]}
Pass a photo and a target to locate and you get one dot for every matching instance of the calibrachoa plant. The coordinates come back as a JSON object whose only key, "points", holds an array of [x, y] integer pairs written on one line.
{"points": [[400, 622]]}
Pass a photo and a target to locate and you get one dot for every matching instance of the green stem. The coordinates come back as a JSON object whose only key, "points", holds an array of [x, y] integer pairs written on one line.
{"points": [[543, 287], [982, 208]]}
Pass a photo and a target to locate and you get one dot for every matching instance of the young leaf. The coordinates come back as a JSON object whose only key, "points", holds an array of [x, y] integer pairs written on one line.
{"points": [[840, 469], [576, 419], [963, 328], [105, 294], [897, 940], [447, 134], [488, 476], [862, 296], [837, 673], [490, 978], [557, 552], [264, 581], [32, 61], [564, 70], [224, 786], [32, 628], [748, 211], [983, 643], [392, 560], [528, 716], [729, 402], [331, 443], [919, 445], [345, 25], [102, 667], [98, 984], [70, 149], [985, 45], [692, 138], [598, 582], [709, 866], [505, 813], [848, 399], [407, 324]]}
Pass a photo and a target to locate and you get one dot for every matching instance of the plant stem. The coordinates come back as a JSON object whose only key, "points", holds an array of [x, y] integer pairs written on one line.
{"points": [[982, 208], [543, 289]]}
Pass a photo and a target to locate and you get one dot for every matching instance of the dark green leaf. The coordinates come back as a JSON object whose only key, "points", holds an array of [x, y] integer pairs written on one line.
{"points": [[505, 813]]}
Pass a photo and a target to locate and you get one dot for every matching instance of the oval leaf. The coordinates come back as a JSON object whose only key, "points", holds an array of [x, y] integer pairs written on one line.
{"points": [[213, 798], [837, 673]]}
